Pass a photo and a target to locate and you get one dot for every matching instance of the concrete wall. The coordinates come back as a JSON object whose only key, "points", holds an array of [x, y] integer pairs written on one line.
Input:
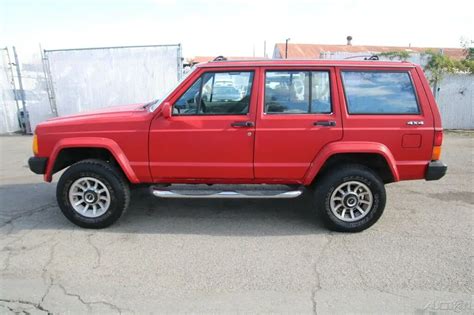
{"points": [[455, 101]]}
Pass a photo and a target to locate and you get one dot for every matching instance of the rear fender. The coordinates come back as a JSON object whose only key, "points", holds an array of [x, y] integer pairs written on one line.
{"points": [[350, 147], [91, 142]]}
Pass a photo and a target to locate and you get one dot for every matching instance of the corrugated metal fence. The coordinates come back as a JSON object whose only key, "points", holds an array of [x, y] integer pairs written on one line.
{"points": [[455, 101]]}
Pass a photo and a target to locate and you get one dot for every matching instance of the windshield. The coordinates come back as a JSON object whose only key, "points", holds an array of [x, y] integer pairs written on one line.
{"points": [[157, 103]]}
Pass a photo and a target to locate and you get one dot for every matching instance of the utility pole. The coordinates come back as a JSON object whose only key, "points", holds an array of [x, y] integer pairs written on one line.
{"points": [[26, 118], [286, 48], [264, 49]]}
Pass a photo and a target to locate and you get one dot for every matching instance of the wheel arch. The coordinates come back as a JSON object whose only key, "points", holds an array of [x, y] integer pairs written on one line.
{"points": [[374, 155], [70, 150]]}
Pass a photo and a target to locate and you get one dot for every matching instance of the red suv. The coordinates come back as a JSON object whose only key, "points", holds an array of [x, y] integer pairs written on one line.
{"points": [[262, 129]]}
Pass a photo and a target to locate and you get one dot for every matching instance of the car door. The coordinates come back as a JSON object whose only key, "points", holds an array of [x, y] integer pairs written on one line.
{"points": [[298, 115], [210, 134]]}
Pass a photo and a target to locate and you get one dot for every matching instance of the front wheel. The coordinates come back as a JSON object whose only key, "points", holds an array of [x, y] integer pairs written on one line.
{"points": [[92, 194], [350, 199]]}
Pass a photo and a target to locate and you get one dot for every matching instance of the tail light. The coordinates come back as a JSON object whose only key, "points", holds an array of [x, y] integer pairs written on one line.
{"points": [[438, 138], [438, 141]]}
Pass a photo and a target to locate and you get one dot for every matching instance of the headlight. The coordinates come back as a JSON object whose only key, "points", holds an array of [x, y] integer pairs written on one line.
{"points": [[35, 145]]}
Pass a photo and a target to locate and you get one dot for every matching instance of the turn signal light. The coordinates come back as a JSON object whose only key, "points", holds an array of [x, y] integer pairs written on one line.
{"points": [[436, 153], [35, 145]]}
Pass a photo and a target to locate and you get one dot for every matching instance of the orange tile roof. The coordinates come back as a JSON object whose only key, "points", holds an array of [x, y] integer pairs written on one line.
{"points": [[315, 50]]}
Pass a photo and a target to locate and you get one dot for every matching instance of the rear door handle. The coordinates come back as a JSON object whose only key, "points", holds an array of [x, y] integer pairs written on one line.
{"points": [[325, 123], [242, 124]]}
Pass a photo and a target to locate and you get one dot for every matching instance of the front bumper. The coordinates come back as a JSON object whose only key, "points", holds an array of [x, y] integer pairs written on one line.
{"points": [[435, 170], [37, 164]]}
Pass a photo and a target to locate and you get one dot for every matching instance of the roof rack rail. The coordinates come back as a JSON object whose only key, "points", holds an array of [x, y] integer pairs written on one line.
{"points": [[220, 58], [373, 57], [366, 57]]}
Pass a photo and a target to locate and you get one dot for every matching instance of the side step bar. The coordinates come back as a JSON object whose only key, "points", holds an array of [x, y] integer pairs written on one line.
{"points": [[238, 194]]}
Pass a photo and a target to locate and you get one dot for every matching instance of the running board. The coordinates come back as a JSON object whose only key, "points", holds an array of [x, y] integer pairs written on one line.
{"points": [[237, 194]]}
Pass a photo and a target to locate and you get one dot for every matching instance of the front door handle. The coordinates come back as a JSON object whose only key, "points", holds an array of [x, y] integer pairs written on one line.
{"points": [[242, 124], [325, 123]]}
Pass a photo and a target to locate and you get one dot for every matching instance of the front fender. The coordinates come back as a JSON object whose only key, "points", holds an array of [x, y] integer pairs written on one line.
{"points": [[91, 142], [350, 147]]}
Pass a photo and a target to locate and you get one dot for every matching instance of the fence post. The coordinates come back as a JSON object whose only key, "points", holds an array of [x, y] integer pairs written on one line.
{"points": [[22, 93], [49, 82]]}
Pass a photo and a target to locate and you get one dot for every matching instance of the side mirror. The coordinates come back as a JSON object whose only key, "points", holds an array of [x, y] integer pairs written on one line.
{"points": [[167, 108]]}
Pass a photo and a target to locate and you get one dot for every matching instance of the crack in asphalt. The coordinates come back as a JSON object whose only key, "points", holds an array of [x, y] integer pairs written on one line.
{"points": [[12, 251], [35, 305], [364, 280], [317, 285], [97, 251], [45, 271], [49, 282], [9, 222], [27, 213], [8, 308], [359, 271], [88, 304]]}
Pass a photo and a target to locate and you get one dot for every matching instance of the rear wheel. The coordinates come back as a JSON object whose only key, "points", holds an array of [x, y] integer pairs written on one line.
{"points": [[92, 194], [350, 199]]}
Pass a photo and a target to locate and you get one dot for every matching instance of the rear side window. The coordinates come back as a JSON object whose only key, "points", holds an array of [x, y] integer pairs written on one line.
{"points": [[379, 92], [297, 92]]}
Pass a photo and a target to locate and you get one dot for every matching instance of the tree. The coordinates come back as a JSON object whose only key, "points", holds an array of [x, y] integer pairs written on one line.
{"points": [[468, 50], [439, 64]]}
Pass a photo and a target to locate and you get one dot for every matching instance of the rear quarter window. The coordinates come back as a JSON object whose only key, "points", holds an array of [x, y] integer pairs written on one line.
{"points": [[379, 92]]}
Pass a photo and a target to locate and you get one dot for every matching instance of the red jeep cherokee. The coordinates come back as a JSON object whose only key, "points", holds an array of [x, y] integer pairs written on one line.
{"points": [[259, 129]]}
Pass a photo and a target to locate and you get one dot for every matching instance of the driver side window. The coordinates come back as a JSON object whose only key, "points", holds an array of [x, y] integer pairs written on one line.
{"points": [[217, 93], [187, 103]]}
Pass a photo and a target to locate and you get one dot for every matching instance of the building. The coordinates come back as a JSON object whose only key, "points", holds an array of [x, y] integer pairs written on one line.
{"points": [[320, 51]]}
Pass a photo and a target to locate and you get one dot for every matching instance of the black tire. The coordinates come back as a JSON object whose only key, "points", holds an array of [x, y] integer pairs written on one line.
{"points": [[114, 181], [331, 180]]}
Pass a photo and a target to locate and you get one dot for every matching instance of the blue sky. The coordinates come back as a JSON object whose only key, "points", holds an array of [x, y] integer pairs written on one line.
{"points": [[234, 27]]}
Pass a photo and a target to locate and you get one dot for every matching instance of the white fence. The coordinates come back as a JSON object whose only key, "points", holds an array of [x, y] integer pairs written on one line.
{"points": [[455, 101], [36, 92], [8, 106], [86, 79], [71, 81]]}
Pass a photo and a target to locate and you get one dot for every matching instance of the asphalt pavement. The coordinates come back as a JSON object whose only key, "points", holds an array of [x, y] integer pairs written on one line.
{"points": [[236, 256]]}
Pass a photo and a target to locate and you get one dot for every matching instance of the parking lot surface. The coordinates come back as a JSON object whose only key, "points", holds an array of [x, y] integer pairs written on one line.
{"points": [[224, 256]]}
